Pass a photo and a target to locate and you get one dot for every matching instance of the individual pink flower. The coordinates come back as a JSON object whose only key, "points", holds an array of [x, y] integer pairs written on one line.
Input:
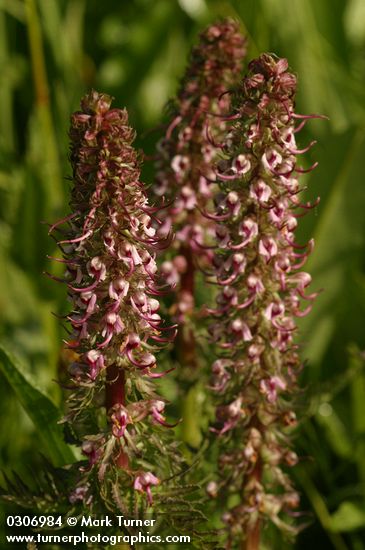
{"points": [[143, 483], [270, 387]]}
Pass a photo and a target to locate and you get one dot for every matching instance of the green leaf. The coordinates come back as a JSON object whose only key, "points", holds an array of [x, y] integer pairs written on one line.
{"points": [[355, 21], [348, 517], [339, 238], [192, 416], [39, 407], [335, 432]]}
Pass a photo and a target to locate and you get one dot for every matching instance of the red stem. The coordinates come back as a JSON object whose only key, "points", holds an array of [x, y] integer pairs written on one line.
{"points": [[252, 541], [253, 538], [115, 386], [115, 395]]}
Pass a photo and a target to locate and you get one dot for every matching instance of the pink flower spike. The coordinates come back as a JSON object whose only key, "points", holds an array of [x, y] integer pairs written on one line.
{"points": [[109, 245], [253, 326]]}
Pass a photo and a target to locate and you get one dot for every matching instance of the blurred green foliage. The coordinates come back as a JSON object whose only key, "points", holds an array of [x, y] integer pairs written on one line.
{"points": [[51, 52]]}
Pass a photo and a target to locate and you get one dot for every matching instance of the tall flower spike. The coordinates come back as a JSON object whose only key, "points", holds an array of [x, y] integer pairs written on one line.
{"points": [[184, 159], [111, 279], [260, 294]]}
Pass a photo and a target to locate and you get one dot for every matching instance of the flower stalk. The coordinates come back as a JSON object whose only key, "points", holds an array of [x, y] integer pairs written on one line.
{"points": [[183, 167], [113, 285], [261, 292]]}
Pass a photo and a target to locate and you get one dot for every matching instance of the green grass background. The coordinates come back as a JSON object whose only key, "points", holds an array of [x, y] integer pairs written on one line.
{"points": [[53, 51]]}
